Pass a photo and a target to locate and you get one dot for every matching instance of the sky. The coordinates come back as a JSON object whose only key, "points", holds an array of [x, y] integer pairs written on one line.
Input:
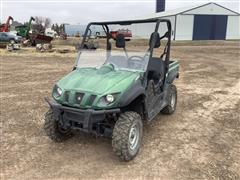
{"points": [[84, 11]]}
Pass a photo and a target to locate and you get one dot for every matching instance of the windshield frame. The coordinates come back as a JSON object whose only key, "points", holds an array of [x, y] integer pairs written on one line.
{"points": [[106, 29]]}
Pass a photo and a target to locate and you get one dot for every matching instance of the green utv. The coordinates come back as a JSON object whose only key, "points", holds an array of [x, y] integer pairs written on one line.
{"points": [[113, 89]]}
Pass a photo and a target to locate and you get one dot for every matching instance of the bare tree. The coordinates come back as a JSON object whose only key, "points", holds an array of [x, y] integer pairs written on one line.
{"points": [[47, 23], [40, 24], [60, 29]]}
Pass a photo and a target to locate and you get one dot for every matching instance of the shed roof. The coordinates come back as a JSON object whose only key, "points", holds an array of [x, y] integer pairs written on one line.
{"points": [[187, 9]]}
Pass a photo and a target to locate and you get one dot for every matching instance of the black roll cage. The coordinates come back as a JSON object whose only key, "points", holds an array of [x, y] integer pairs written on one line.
{"points": [[157, 21]]}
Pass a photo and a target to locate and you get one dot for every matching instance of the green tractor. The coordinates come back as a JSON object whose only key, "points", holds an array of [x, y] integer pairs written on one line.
{"points": [[113, 89], [24, 29]]}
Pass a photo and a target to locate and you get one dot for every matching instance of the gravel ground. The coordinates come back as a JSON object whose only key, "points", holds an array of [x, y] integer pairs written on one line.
{"points": [[200, 141]]}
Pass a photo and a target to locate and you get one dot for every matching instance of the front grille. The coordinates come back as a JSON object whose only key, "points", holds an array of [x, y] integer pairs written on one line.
{"points": [[66, 96], [78, 97], [76, 124], [91, 100]]}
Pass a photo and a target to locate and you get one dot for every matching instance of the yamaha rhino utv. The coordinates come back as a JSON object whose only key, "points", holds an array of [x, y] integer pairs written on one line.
{"points": [[113, 89]]}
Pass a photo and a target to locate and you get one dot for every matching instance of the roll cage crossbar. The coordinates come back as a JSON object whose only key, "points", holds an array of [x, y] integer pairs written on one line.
{"points": [[157, 21]]}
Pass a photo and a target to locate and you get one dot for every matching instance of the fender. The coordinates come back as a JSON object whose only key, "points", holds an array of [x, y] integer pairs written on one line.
{"points": [[173, 72], [131, 93]]}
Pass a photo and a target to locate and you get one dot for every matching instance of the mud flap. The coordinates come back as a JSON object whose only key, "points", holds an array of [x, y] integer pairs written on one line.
{"points": [[155, 101]]}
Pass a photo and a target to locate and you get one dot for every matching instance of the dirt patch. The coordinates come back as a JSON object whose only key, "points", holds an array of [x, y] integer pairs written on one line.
{"points": [[199, 141]]}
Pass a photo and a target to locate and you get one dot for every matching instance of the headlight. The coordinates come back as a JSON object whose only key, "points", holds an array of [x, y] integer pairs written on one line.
{"points": [[107, 99], [110, 98], [57, 91]]}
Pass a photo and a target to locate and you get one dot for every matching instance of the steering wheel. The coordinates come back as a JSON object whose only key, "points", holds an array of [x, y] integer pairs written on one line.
{"points": [[135, 62], [138, 58], [113, 65]]}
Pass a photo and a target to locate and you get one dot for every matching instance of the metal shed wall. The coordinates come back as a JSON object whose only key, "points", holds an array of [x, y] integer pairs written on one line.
{"points": [[185, 20], [233, 27], [182, 20], [184, 27], [143, 30], [164, 29]]}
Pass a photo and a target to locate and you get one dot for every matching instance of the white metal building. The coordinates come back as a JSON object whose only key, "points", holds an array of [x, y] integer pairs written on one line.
{"points": [[209, 21]]}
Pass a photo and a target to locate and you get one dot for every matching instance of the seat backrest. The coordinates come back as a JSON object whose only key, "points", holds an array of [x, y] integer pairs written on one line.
{"points": [[156, 68]]}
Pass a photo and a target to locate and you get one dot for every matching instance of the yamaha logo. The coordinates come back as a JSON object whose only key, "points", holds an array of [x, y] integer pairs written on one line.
{"points": [[79, 98]]}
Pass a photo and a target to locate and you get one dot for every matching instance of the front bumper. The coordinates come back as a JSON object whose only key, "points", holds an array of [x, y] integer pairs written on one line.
{"points": [[86, 120]]}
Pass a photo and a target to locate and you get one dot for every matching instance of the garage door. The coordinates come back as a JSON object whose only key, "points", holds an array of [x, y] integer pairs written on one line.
{"points": [[209, 27]]}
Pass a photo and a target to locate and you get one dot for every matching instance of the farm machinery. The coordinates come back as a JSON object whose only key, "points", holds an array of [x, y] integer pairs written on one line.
{"points": [[32, 38], [6, 26], [24, 29], [126, 32], [39, 39]]}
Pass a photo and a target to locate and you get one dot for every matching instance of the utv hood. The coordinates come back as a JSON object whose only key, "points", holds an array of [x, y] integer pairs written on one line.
{"points": [[98, 81]]}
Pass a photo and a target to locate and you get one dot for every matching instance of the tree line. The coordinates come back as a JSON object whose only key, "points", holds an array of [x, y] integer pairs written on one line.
{"points": [[42, 23]]}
